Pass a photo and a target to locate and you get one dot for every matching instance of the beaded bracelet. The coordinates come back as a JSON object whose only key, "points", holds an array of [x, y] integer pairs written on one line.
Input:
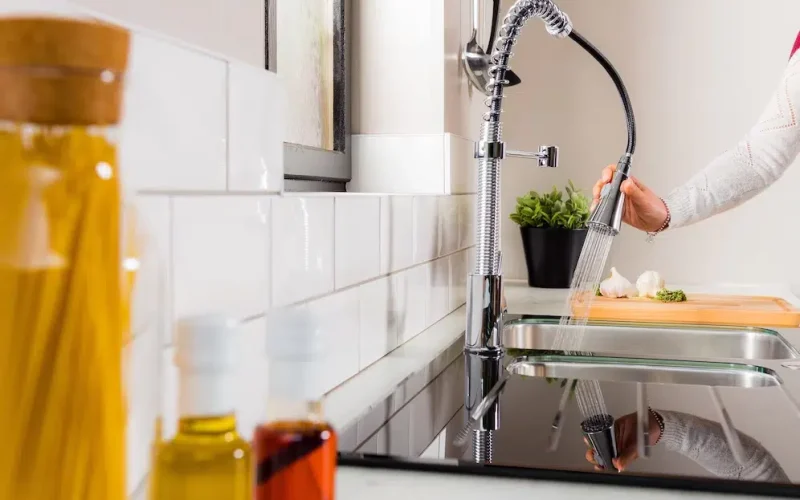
{"points": [[651, 235], [660, 422]]}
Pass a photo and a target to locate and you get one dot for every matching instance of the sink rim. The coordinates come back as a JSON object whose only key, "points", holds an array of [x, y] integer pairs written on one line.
{"points": [[554, 320], [522, 320], [659, 364]]}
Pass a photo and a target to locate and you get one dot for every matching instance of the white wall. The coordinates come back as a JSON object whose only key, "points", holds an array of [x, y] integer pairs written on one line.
{"points": [[231, 28], [699, 73], [412, 105], [201, 154]]}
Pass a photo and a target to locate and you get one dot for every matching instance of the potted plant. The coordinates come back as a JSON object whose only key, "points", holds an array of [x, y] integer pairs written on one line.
{"points": [[553, 228]]}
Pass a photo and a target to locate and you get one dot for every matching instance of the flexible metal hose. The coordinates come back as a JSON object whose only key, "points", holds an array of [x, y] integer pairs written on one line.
{"points": [[487, 234], [623, 92], [482, 446], [557, 23]]}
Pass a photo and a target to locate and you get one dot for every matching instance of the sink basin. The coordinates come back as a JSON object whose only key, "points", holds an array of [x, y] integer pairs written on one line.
{"points": [[651, 371], [654, 340]]}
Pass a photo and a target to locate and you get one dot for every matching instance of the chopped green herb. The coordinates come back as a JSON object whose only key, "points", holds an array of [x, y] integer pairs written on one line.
{"points": [[665, 295]]}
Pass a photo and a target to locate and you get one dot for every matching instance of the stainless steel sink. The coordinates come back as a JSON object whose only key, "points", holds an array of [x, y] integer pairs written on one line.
{"points": [[675, 341], [651, 371]]}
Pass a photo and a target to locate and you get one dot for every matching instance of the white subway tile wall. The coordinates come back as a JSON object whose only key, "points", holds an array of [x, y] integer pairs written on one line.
{"points": [[427, 237], [397, 233], [175, 130], [255, 134], [378, 329], [220, 255], [357, 239], [202, 157], [303, 254]]}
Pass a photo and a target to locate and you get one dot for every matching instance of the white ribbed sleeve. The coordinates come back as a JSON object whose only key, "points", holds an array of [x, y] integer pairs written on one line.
{"points": [[704, 442], [757, 161]]}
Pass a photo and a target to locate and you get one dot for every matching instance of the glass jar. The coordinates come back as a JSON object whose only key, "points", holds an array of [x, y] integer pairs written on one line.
{"points": [[68, 260]]}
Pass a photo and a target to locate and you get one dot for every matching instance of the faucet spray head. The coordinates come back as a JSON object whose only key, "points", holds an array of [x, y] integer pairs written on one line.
{"points": [[608, 213], [599, 431]]}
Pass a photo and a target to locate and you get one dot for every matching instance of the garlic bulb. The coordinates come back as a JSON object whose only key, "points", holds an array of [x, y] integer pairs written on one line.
{"points": [[649, 283], [617, 286]]}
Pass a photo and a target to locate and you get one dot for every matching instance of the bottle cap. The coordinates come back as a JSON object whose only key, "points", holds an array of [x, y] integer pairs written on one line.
{"points": [[84, 60], [207, 343], [294, 334], [296, 353], [207, 355]]}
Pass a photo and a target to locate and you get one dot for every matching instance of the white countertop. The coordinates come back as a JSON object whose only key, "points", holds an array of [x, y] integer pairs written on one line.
{"points": [[361, 484], [355, 483]]}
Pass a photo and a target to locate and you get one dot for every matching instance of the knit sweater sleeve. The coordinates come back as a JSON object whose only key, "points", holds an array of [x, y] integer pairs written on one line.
{"points": [[704, 442], [757, 161]]}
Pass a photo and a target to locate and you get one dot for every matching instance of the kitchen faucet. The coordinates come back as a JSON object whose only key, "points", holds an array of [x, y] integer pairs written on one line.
{"points": [[483, 347], [485, 285]]}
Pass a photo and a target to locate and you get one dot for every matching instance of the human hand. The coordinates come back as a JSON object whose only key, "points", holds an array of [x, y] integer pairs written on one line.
{"points": [[643, 209], [625, 433]]}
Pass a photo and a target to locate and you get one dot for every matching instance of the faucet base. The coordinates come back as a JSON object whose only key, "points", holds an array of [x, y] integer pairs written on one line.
{"points": [[485, 310]]}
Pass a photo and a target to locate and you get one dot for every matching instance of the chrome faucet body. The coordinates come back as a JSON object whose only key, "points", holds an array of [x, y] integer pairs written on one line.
{"points": [[485, 303], [485, 284]]}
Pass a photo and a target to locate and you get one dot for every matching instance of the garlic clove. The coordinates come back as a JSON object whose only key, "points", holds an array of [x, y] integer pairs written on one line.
{"points": [[649, 283], [617, 286]]}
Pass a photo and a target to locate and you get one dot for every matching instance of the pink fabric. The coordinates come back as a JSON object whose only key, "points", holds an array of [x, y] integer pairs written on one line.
{"points": [[796, 45]]}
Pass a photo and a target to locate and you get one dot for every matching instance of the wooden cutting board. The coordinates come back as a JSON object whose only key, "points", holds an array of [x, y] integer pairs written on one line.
{"points": [[699, 309]]}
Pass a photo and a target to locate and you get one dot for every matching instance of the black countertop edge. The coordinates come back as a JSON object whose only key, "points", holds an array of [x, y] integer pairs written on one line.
{"points": [[663, 482]]}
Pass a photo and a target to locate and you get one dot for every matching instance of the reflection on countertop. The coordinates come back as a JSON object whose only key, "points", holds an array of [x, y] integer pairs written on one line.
{"points": [[419, 418]]}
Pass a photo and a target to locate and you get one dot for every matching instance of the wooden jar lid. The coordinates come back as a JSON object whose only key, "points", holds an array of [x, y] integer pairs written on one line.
{"points": [[61, 71]]}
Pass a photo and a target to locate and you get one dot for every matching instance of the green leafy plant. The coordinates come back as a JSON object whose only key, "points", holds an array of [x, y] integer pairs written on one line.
{"points": [[553, 209], [665, 295]]}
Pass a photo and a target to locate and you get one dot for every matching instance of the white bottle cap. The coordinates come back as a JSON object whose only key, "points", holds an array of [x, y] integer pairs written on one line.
{"points": [[207, 354], [296, 353]]}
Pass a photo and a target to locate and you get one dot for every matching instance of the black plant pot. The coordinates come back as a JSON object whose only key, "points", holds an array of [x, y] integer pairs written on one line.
{"points": [[551, 255]]}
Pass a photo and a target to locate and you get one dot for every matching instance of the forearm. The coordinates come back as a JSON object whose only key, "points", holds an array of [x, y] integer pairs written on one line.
{"points": [[704, 442], [756, 162]]}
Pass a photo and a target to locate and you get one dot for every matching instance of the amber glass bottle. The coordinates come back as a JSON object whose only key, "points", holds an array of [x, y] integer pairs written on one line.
{"points": [[207, 458], [295, 449]]}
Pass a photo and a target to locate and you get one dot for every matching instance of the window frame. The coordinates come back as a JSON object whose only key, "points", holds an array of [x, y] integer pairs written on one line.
{"points": [[305, 166]]}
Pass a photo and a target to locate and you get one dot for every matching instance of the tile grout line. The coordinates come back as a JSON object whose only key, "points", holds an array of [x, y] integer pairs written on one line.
{"points": [[287, 194], [370, 280], [170, 287], [335, 232], [227, 126], [270, 251]]}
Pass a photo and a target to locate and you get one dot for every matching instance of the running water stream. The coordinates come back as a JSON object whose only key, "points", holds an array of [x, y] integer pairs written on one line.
{"points": [[575, 314]]}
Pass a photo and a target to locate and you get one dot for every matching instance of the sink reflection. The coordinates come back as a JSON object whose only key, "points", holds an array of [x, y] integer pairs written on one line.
{"points": [[654, 340], [728, 426], [651, 371], [694, 443]]}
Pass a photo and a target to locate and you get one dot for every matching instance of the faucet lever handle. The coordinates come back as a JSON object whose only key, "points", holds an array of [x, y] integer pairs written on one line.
{"points": [[547, 156]]}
